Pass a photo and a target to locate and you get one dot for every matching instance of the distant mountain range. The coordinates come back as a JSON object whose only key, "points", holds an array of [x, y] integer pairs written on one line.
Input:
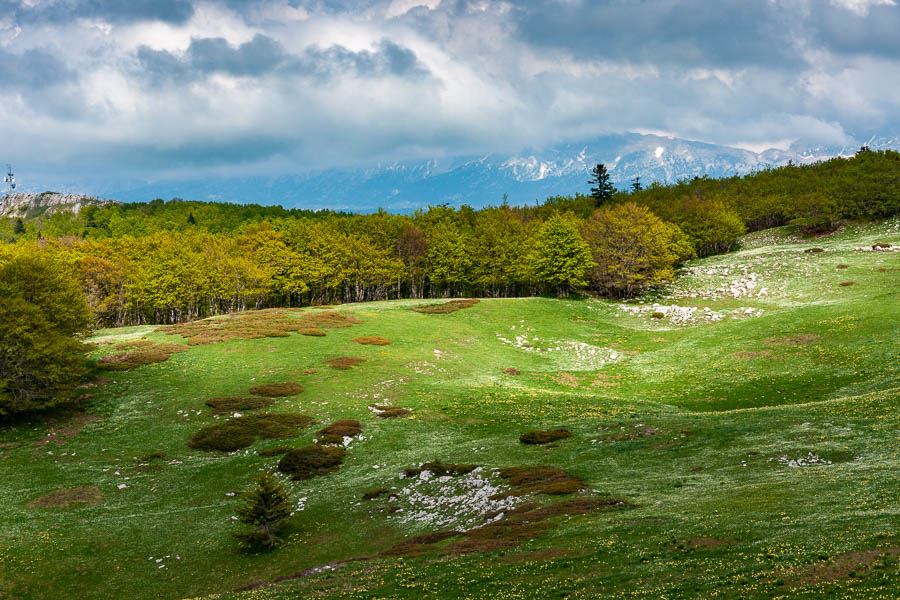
{"points": [[525, 177]]}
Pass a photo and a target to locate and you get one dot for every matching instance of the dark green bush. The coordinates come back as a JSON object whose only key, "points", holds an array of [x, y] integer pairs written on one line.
{"points": [[544, 437], [311, 461], [241, 432]]}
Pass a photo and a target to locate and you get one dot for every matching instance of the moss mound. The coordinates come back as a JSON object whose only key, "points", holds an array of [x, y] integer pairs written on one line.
{"points": [[259, 324], [277, 390], [243, 431], [389, 412], [540, 480], [344, 362], [222, 406], [374, 493], [511, 371], [143, 354], [440, 469], [341, 429], [311, 461], [372, 340], [845, 283], [278, 451], [446, 307], [544, 437]]}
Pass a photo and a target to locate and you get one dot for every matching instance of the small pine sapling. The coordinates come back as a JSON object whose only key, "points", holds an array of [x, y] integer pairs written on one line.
{"points": [[265, 507]]}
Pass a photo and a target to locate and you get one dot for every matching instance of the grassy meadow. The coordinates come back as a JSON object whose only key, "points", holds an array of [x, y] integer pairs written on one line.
{"points": [[735, 434]]}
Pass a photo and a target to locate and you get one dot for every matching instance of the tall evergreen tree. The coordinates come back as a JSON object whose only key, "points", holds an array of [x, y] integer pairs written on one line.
{"points": [[19, 227], [603, 190], [265, 507]]}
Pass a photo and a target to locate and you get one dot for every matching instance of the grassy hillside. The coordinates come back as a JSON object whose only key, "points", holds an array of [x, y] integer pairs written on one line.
{"points": [[734, 436]]}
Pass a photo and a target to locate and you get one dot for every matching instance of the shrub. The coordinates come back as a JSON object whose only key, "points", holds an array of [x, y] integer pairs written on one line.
{"points": [[372, 340], [223, 406], [265, 507], [241, 432], [42, 314], [842, 266], [344, 362], [633, 249], [881, 246], [845, 283], [311, 461], [158, 455], [657, 315], [814, 250], [511, 371], [275, 390], [341, 429], [544, 437]]}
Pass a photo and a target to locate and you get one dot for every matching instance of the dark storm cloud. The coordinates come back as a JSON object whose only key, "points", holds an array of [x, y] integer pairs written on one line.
{"points": [[33, 70], [876, 32], [263, 55], [113, 11], [686, 33]]}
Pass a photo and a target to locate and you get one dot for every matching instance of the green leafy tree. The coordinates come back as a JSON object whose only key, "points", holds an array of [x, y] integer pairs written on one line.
{"points": [[633, 249], [602, 190], [559, 259], [42, 311], [265, 508]]}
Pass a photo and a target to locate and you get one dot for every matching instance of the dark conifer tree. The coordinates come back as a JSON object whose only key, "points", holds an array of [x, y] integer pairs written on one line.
{"points": [[603, 190]]}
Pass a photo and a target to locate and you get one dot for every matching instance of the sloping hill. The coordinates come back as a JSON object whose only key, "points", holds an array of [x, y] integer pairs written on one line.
{"points": [[733, 435]]}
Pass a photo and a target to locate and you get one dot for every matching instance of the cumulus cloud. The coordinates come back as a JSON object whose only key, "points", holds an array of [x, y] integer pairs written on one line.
{"points": [[192, 84]]}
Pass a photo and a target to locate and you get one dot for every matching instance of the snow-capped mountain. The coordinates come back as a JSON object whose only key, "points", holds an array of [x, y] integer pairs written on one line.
{"points": [[525, 177]]}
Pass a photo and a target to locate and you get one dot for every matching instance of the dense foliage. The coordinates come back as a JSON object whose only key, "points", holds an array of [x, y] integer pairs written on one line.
{"points": [[42, 311], [265, 508], [165, 262]]}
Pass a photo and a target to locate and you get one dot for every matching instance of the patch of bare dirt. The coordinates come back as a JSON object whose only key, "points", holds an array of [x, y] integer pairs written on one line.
{"points": [[797, 339], [64, 498], [843, 566], [62, 431]]}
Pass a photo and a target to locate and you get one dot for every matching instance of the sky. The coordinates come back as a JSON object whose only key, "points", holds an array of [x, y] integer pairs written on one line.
{"points": [[157, 88]]}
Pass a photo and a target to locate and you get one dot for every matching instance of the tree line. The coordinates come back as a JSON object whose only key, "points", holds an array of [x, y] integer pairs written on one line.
{"points": [[165, 262]]}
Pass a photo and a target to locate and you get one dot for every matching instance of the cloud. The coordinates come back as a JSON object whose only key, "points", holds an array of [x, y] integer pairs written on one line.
{"points": [[263, 55], [200, 84], [113, 11]]}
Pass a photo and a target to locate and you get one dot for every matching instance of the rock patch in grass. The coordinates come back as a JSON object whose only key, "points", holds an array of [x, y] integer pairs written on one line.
{"points": [[372, 340], [241, 432], [344, 362], [143, 355], [389, 412], [540, 480], [544, 437], [64, 498], [440, 469], [503, 531], [277, 390], [224, 406], [446, 307], [311, 461]]}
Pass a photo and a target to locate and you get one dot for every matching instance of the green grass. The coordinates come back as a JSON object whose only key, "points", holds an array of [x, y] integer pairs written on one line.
{"points": [[692, 423]]}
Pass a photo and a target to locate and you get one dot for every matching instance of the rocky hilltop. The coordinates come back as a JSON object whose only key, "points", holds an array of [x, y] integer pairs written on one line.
{"points": [[34, 205]]}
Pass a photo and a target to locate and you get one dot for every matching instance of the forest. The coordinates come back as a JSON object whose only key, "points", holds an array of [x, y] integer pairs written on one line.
{"points": [[169, 262]]}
